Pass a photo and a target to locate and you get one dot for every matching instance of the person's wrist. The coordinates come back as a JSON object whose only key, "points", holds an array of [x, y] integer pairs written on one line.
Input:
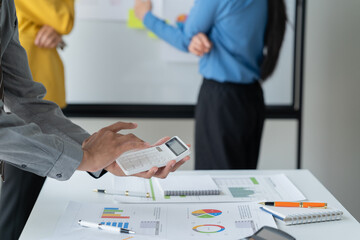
{"points": [[84, 165], [143, 15]]}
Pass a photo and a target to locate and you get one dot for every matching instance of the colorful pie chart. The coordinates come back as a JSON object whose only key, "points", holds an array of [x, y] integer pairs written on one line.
{"points": [[208, 228], [206, 213]]}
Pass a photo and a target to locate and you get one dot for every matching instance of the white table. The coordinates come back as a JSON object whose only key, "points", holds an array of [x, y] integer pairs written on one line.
{"points": [[55, 196]]}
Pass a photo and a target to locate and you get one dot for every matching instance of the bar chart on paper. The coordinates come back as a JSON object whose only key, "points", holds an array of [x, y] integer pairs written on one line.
{"points": [[196, 221], [113, 213], [250, 188], [232, 189]]}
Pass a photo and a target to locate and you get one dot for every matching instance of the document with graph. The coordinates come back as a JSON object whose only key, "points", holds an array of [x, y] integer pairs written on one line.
{"points": [[241, 188], [207, 221]]}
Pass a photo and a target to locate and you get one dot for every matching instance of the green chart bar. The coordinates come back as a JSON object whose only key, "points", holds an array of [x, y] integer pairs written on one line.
{"points": [[254, 181]]}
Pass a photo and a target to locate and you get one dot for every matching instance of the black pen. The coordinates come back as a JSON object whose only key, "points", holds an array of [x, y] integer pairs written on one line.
{"points": [[104, 227]]}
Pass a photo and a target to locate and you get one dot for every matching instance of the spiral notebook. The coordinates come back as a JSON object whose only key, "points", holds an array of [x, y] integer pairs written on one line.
{"points": [[291, 215], [188, 185]]}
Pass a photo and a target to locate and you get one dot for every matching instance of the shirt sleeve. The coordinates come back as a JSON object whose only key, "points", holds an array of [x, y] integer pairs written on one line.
{"points": [[59, 15], [35, 136], [200, 19]]}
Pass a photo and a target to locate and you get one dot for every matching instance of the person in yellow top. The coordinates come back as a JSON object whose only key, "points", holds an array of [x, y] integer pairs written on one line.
{"points": [[41, 25]]}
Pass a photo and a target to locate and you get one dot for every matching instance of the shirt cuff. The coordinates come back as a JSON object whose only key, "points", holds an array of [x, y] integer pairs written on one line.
{"points": [[97, 174], [67, 163]]}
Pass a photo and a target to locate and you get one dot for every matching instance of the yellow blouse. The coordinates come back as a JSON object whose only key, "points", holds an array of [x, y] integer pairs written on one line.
{"points": [[45, 64]]}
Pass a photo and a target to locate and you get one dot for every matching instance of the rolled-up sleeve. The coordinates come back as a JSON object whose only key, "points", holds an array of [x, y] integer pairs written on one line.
{"points": [[35, 135]]}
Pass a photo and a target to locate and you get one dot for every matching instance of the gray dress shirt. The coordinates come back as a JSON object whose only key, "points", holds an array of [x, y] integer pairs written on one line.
{"points": [[34, 135]]}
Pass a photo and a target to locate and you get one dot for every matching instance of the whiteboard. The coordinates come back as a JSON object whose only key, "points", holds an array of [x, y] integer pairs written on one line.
{"points": [[108, 63]]}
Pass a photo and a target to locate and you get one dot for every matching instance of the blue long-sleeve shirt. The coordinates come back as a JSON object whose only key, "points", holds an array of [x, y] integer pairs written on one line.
{"points": [[236, 29]]}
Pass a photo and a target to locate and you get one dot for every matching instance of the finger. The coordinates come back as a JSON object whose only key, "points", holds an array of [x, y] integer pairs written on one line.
{"points": [[148, 174], [196, 45], [55, 41], [180, 163], [194, 51], [166, 170], [116, 127], [49, 41], [45, 35], [200, 48], [196, 40], [39, 35], [205, 40], [132, 145], [130, 138]]}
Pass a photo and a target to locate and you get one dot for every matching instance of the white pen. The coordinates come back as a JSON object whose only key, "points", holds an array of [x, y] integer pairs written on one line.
{"points": [[125, 193], [104, 227]]}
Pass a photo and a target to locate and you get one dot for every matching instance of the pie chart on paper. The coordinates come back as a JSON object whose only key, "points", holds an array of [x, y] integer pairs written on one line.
{"points": [[206, 213]]}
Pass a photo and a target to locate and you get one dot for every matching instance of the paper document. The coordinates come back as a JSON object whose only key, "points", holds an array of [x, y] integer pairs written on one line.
{"points": [[175, 185], [232, 189], [225, 221]]}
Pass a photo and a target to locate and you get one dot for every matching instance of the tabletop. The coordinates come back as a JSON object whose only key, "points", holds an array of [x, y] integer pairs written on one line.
{"points": [[56, 195]]}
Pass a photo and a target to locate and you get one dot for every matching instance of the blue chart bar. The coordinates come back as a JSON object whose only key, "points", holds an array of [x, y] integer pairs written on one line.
{"points": [[116, 224]]}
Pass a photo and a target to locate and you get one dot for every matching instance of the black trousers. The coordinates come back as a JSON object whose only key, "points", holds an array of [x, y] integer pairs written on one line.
{"points": [[229, 123], [18, 195]]}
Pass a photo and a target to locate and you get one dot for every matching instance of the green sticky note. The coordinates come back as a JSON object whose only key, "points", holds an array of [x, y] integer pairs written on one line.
{"points": [[152, 35], [133, 21]]}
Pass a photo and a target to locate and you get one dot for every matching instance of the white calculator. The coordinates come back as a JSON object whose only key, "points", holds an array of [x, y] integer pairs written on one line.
{"points": [[133, 162]]}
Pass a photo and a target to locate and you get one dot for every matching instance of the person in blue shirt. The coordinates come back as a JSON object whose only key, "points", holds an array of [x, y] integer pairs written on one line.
{"points": [[246, 38]]}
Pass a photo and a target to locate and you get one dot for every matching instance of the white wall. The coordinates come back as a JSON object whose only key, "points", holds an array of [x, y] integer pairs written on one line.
{"points": [[332, 100]]}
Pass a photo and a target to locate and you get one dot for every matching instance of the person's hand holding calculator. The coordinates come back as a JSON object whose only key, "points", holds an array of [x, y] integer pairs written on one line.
{"points": [[167, 155], [134, 162]]}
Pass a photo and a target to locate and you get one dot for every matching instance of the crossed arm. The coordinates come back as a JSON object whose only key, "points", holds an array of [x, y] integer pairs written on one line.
{"points": [[199, 43]]}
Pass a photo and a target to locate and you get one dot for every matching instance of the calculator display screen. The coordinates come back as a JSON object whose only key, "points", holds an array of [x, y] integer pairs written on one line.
{"points": [[175, 146]]}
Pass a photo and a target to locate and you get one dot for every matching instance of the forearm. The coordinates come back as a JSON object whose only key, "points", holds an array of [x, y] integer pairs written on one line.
{"points": [[35, 135], [172, 35], [27, 147]]}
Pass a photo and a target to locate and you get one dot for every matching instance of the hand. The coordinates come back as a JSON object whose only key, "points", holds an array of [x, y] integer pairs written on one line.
{"points": [[153, 172], [141, 8], [47, 37], [200, 45], [104, 147]]}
